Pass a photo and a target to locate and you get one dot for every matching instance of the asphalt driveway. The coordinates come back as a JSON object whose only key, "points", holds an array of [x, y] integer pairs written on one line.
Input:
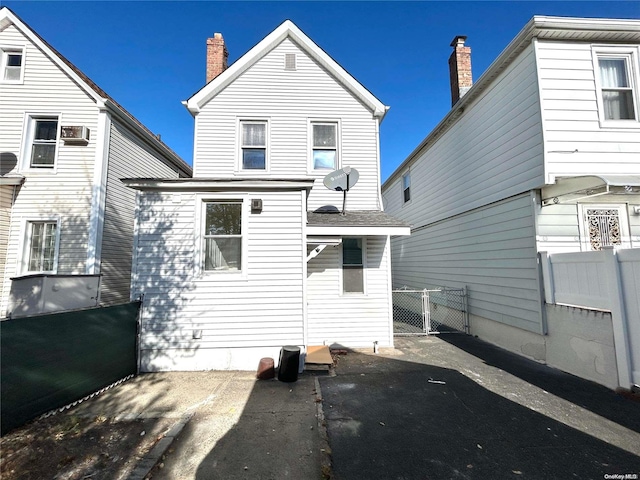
{"points": [[455, 407]]}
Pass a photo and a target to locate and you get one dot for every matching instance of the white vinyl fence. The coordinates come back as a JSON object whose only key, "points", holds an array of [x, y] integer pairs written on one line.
{"points": [[605, 280]]}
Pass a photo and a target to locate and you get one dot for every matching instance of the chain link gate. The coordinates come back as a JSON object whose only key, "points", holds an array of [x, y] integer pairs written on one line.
{"points": [[424, 312]]}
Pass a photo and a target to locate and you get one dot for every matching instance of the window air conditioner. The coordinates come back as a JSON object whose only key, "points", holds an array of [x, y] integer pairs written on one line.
{"points": [[75, 134]]}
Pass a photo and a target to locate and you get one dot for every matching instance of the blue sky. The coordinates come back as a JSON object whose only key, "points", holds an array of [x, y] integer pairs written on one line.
{"points": [[149, 56]]}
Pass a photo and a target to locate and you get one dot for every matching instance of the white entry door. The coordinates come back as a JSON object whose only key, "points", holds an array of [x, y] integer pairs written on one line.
{"points": [[602, 225]]}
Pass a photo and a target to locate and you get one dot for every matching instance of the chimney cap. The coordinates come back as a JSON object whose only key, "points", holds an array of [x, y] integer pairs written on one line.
{"points": [[458, 41], [219, 35]]}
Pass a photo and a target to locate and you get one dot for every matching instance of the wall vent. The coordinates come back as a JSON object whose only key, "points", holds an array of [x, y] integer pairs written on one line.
{"points": [[290, 61]]}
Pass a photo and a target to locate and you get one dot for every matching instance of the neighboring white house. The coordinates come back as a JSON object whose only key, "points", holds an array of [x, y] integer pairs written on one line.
{"points": [[243, 259], [66, 219], [542, 153]]}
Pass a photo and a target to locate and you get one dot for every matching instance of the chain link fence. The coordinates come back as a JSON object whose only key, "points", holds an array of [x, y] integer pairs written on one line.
{"points": [[429, 311]]}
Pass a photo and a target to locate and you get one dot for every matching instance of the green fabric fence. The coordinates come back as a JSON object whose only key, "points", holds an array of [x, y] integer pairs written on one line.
{"points": [[49, 361]]}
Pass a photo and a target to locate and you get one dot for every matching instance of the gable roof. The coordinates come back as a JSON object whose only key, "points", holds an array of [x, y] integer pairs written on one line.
{"points": [[609, 30], [102, 99], [286, 30]]}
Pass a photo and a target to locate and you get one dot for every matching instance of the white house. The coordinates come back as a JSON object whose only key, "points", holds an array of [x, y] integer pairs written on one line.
{"points": [[66, 219], [541, 154], [254, 252]]}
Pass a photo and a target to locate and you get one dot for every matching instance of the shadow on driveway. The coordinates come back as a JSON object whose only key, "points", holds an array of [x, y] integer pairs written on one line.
{"points": [[589, 395]]}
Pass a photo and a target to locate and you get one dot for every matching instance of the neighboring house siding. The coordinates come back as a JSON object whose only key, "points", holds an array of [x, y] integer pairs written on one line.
{"points": [[128, 157], [576, 142], [350, 320], [558, 229], [490, 250], [66, 191], [263, 310], [289, 100], [493, 151]]}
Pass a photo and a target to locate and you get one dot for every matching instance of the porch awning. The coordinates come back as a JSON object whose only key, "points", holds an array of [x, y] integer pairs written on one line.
{"points": [[357, 223], [11, 180], [572, 189]]}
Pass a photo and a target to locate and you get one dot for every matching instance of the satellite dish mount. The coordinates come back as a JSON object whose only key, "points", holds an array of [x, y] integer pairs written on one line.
{"points": [[341, 181]]}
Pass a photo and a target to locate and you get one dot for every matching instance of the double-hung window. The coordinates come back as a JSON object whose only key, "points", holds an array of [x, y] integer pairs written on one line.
{"points": [[406, 187], [41, 246], [617, 88], [617, 78], [223, 235], [352, 265], [325, 146], [12, 64], [253, 145], [41, 142]]}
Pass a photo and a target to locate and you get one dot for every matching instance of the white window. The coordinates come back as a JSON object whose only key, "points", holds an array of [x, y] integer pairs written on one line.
{"points": [[41, 246], [42, 135], [253, 145], [223, 235], [324, 154], [603, 225], [406, 187], [353, 265], [617, 80], [12, 64]]}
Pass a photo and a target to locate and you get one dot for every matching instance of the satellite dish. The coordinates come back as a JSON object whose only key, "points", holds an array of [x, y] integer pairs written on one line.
{"points": [[341, 180]]}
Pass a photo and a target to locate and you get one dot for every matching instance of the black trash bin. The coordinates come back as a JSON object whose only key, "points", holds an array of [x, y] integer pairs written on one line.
{"points": [[289, 362]]}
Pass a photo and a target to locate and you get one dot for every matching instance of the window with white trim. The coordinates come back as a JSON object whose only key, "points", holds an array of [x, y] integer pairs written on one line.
{"points": [[42, 142], [12, 61], [353, 265], [324, 145], [617, 80], [253, 145], [41, 246], [406, 187], [222, 235]]}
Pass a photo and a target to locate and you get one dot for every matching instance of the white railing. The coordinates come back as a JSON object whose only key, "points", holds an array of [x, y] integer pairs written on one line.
{"points": [[605, 280]]}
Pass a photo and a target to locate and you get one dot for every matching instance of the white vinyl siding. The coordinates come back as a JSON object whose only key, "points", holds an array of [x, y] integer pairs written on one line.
{"points": [[291, 100], [493, 151], [577, 143], [262, 309], [350, 320], [491, 250], [129, 157], [64, 192]]}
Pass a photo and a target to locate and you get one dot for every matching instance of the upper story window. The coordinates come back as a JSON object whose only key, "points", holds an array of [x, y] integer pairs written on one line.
{"points": [[12, 64], [223, 235], [324, 146], [43, 142], [617, 79], [253, 145], [406, 187], [40, 142], [41, 246], [617, 90]]}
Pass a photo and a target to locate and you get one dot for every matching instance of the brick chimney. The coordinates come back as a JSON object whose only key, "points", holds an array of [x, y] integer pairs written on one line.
{"points": [[217, 55], [459, 69]]}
